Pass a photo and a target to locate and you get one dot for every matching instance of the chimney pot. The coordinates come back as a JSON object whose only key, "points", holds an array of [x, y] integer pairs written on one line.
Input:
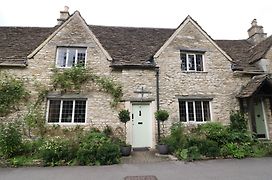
{"points": [[64, 15], [256, 33]]}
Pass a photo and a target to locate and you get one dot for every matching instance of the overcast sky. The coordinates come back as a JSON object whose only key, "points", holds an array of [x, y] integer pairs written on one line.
{"points": [[221, 19]]}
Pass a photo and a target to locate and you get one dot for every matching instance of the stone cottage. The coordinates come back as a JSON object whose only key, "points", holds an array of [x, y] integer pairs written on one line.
{"points": [[184, 71]]}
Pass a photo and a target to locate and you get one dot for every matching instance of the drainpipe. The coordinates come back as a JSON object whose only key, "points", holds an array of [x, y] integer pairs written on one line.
{"points": [[158, 100]]}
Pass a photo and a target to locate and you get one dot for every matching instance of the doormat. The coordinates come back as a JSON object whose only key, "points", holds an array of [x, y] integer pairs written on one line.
{"points": [[141, 178], [141, 149]]}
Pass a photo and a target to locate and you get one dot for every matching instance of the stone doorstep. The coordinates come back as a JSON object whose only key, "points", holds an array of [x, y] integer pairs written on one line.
{"points": [[171, 157], [140, 178]]}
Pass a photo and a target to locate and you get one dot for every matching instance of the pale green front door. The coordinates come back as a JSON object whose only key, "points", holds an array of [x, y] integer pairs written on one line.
{"points": [[259, 119], [141, 126]]}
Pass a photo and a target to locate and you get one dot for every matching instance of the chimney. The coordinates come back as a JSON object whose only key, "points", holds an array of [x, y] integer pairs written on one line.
{"points": [[64, 15], [256, 33]]}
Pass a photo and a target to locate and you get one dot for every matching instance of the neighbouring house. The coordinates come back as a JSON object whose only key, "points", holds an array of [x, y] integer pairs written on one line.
{"points": [[184, 71]]}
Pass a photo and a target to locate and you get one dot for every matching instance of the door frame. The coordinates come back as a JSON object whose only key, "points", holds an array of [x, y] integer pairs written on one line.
{"points": [[261, 100], [265, 119], [152, 106]]}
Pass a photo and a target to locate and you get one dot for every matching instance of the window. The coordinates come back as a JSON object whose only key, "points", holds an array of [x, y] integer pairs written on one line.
{"points": [[68, 57], [191, 61], [66, 111], [194, 111]]}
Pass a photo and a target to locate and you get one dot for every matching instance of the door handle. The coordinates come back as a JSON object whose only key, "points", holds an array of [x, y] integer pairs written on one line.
{"points": [[140, 122]]}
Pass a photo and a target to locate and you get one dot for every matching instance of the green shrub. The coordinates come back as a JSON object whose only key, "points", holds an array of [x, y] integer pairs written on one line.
{"points": [[97, 149], [57, 151], [182, 154], [188, 154], [239, 137], [236, 150], [214, 131], [238, 122], [12, 91], [10, 140], [161, 115], [177, 139]]}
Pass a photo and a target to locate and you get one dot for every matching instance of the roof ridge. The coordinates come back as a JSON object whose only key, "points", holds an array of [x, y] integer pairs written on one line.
{"points": [[131, 27]]}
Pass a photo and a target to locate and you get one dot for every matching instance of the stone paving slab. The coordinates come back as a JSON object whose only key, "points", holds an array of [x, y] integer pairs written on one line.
{"points": [[138, 157]]}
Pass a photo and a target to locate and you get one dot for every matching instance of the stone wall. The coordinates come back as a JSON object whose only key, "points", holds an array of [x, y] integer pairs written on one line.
{"points": [[217, 81]]}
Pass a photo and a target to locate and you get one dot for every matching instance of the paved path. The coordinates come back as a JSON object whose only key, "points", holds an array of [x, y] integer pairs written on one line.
{"points": [[247, 169], [144, 157]]}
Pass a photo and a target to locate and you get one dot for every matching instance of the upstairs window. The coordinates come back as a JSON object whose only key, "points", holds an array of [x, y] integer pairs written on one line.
{"points": [[194, 111], [191, 61], [68, 57], [66, 111]]}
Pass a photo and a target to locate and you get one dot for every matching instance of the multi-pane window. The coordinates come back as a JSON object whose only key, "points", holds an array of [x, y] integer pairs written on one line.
{"points": [[194, 111], [191, 61], [68, 57], [66, 111]]}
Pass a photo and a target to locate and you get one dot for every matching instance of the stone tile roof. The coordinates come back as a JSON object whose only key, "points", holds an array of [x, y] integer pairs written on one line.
{"points": [[259, 51], [127, 45], [16, 43], [131, 46], [252, 86]]}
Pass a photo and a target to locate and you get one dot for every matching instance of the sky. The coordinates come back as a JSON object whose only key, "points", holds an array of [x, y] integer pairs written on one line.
{"points": [[221, 19]]}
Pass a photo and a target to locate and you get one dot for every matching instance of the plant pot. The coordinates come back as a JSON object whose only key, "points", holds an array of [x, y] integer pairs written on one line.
{"points": [[125, 150], [162, 148]]}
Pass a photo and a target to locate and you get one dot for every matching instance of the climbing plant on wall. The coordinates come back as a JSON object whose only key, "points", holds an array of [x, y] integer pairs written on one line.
{"points": [[12, 91], [74, 78]]}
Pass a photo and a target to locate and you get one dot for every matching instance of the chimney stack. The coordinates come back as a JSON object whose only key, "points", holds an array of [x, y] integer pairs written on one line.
{"points": [[256, 33], [64, 15]]}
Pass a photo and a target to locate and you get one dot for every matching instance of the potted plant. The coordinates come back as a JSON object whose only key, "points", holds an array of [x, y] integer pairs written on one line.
{"points": [[124, 117], [161, 116]]}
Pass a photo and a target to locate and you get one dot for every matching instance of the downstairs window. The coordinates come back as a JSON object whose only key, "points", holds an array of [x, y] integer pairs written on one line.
{"points": [[194, 110], [66, 111]]}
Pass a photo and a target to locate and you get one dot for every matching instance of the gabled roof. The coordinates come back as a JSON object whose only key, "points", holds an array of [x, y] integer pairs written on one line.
{"points": [[181, 26], [17, 42], [253, 85]]}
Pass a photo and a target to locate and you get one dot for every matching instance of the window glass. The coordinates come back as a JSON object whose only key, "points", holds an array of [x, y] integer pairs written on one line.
{"points": [[191, 62], [67, 111], [71, 57], [68, 57], [54, 111], [199, 62], [80, 111], [183, 62], [198, 110], [191, 111], [182, 110], [195, 111], [61, 62], [206, 107], [81, 56]]}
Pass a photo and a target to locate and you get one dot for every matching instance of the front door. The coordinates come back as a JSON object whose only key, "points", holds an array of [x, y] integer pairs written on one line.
{"points": [[141, 126], [260, 119]]}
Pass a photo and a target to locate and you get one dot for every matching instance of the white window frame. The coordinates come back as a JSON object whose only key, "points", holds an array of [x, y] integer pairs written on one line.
{"points": [[73, 112], [67, 56], [195, 66], [194, 111]]}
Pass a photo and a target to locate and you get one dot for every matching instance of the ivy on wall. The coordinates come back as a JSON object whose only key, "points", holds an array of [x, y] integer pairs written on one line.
{"points": [[12, 91], [74, 78]]}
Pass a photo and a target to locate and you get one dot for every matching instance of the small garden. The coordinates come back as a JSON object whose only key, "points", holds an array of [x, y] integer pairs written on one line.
{"points": [[214, 140], [72, 146]]}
